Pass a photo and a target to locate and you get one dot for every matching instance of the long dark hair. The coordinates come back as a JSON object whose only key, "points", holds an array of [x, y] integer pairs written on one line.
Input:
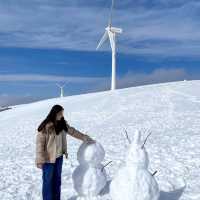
{"points": [[59, 125]]}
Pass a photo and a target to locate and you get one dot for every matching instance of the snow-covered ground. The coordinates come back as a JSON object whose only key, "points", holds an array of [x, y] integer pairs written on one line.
{"points": [[171, 111]]}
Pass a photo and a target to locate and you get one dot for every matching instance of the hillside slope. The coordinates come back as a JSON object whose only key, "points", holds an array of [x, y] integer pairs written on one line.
{"points": [[171, 111]]}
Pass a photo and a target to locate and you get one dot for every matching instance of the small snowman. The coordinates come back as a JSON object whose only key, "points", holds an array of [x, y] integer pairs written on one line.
{"points": [[89, 177], [133, 180]]}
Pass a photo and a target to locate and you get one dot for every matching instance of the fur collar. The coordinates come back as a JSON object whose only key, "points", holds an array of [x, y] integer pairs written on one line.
{"points": [[49, 125]]}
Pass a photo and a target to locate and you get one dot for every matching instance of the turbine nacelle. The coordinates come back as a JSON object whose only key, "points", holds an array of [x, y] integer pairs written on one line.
{"points": [[114, 29]]}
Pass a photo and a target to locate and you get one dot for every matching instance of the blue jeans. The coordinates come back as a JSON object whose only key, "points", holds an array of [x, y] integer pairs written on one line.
{"points": [[51, 176]]}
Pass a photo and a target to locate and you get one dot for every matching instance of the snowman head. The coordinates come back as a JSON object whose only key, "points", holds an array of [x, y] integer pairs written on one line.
{"points": [[137, 155], [92, 154]]}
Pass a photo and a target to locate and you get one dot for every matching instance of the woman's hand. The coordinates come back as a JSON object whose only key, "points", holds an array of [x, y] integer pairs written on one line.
{"points": [[66, 155], [88, 139], [39, 165]]}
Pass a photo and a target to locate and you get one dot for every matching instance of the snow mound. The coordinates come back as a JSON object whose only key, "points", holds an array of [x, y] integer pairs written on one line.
{"points": [[170, 110]]}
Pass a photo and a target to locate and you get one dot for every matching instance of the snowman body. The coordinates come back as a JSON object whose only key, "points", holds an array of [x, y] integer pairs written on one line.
{"points": [[89, 177], [133, 180]]}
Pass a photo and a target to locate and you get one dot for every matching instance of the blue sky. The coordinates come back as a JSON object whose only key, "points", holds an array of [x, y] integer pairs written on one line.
{"points": [[44, 42]]}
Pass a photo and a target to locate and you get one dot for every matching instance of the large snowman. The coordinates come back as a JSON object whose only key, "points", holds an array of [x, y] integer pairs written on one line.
{"points": [[133, 180], [89, 177]]}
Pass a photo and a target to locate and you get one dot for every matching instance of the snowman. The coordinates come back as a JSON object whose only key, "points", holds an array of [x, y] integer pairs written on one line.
{"points": [[89, 177], [133, 180]]}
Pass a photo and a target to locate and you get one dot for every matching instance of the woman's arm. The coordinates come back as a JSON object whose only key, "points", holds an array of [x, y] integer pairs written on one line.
{"points": [[40, 148], [77, 134]]}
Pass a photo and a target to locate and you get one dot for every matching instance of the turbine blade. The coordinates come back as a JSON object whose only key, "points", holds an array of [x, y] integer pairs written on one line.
{"points": [[111, 14], [103, 39], [64, 85], [112, 40]]}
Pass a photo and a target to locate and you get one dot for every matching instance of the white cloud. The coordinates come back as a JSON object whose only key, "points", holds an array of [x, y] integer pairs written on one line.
{"points": [[48, 78], [8, 100], [163, 28], [159, 75]]}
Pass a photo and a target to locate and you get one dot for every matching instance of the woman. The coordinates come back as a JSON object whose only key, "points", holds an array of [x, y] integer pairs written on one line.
{"points": [[51, 144]]}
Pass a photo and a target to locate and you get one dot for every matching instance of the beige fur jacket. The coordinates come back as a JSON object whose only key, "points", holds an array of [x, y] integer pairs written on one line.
{"points": [[46, 143]]}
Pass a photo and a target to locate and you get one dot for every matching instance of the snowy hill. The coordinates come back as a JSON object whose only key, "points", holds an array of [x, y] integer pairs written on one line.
{"points": [[171, 111]]}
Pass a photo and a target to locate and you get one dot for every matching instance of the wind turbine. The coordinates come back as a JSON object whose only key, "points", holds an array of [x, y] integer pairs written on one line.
{"points": [[110, 32], [61, 89]]}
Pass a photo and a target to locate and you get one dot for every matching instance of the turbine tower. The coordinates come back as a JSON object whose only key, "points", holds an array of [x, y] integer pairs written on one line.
{"points": [[61, 89], [110, 32]]}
